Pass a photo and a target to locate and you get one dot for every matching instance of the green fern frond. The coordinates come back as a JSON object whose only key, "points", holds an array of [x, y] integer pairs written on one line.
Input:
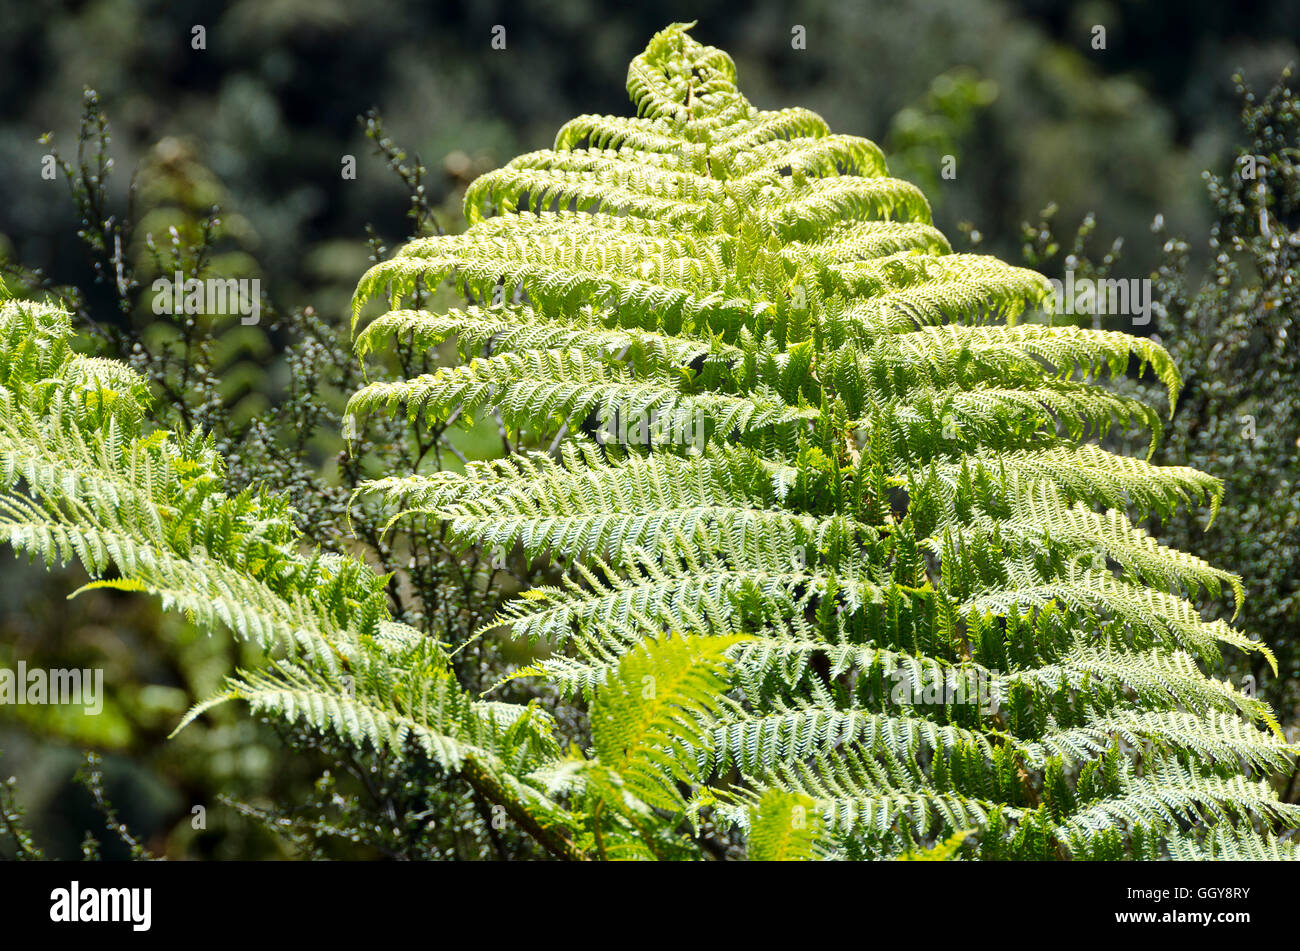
{"points": [[940, 851], [783, 827], [83, 477], [879, 477], [894, 495], [649, 723]]}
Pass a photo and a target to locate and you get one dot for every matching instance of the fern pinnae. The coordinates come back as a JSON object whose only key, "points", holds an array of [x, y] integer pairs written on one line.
{"points": [[897, 481], [924, 372]]}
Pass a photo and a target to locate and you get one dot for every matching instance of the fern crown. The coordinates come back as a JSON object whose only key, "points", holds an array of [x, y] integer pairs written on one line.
{"points": [[878, 482], [891, 485]]}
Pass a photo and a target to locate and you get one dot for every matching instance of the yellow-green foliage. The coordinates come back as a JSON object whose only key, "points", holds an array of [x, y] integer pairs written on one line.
{"points": [[871, 580], [867, 455]]}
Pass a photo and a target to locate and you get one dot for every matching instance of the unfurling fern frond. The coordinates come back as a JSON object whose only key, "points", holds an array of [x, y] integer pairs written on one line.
{"points": [[895, 489]]}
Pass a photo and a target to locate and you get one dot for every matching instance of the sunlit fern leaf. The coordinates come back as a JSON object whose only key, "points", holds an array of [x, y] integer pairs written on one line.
{"points": [[922, 493], [783, 827], [879, 475], [877, 484], [942, 851], [651, 719], [83, 477], [1225, 843]]}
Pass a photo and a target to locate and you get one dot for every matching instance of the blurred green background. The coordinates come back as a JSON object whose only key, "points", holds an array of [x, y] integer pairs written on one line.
{"points": [[262, 119]]}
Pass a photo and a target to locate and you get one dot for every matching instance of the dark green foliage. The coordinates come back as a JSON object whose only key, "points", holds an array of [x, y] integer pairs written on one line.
{"points": [[1234, 333]]}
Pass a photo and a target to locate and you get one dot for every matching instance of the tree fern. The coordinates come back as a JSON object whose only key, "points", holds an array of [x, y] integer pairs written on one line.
{"points": [[893, 482], [871, 587], [83, 476], [783, 827]]}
